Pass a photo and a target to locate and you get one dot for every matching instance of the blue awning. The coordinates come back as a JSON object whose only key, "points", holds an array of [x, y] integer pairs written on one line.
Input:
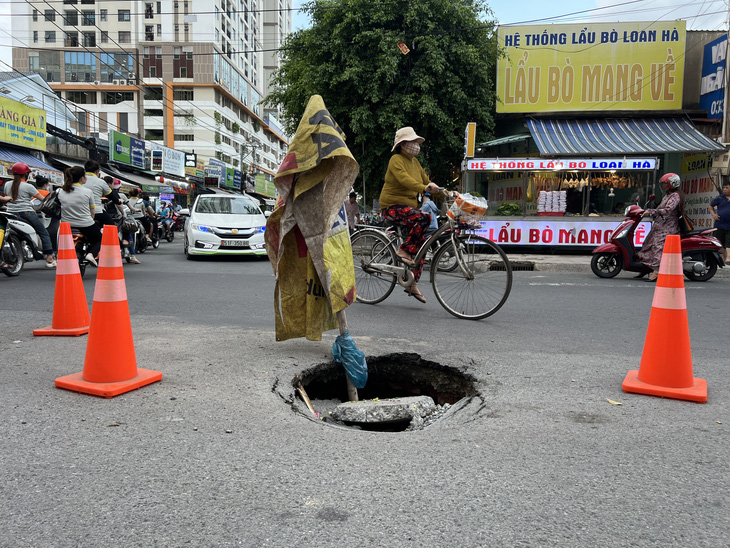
{"points": [[12, 155], [619, 136]]}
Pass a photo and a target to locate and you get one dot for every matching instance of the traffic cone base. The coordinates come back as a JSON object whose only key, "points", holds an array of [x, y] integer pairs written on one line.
{"points": [[77, 383], [51, 332], [696, 393]]}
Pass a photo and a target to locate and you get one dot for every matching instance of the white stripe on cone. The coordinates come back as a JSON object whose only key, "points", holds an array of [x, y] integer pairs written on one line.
{"points": [[671, 264], [65, 242], [67, 266], [110, 257], [110, 291], [670, 298]]}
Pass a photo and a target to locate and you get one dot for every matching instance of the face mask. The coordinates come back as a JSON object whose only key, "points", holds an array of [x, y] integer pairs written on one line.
{"points": [[411, 148]]}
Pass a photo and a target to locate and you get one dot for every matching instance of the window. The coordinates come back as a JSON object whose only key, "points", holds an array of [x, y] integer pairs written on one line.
{"points": [[183, 95], [82, 97], [123, 15], [123, 122], [89, 19], [50, 15], [89, 39], [103, 15], [176, 52], [149, 12], [153, 94], [71, 18], [158, 52], [80, 66], [153, 71], [115, 66], [70, 2], [35, 36], [187, 27], [159, 30], [159, 7], [146, 52], [183, 72], [113, 98], [50, 36], [35, 15], [72, 39], [124, 37], [47, 64], [184, 137], [88, 1], [149, 34], [104, 37]]}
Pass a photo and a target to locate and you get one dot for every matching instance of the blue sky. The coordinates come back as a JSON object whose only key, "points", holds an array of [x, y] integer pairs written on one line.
{"points": [[527, 11]]}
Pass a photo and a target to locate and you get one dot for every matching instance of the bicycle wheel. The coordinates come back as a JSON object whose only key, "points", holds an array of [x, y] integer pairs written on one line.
{"points": [[477, 287], [368, 247]]}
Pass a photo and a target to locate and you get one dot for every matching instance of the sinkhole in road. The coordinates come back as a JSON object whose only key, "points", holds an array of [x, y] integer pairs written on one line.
{"points": [[397, 375]]}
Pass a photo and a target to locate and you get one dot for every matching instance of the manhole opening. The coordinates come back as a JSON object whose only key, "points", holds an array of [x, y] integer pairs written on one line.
{"points": [[397, 375], [522, 266]]}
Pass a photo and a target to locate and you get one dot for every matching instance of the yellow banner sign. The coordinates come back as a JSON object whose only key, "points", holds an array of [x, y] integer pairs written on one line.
{"points": [[22, 125], [591, 67]]}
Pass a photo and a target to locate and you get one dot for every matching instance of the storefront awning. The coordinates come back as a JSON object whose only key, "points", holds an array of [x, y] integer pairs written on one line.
{"points": [[503, 141], [619, 136], [11, 155], [130, 177]]}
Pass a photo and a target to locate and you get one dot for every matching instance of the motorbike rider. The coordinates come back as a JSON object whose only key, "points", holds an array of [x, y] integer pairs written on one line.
{"points": [[166, 216], [77, 209], [151, 215], [139, 211], [44, 188], [99, 189], [21, 192], [666, 222]]}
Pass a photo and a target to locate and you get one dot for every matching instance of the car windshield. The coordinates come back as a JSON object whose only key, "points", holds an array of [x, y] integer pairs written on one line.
{"points": [[239, 205]]}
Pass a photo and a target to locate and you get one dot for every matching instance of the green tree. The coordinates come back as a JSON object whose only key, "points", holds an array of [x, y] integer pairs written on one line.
{"points": [[350, 57]]}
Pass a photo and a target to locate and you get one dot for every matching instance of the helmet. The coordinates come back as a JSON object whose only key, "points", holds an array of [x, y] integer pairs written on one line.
{"points": [[672, 179], [20, 169]]}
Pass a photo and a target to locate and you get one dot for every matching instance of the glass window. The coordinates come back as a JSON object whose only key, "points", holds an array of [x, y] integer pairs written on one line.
{"points": [[152, 93], [123, 15], [89, 39], [71, 18], [80, 66], [72, 39], [125, 37], [103, 15], [183, 72], [89, 19], [183, 95], [158, 52], [70, 1], [115, 97], [159, 30], [237, 205], [104, 37], [149, 11], [47, 64], [115, 66], [81, 97], [35, 15], [50, 15], [50, 36], [159, 7], [123, 122]]}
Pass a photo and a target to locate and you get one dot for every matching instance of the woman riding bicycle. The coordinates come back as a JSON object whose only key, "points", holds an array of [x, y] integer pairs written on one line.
{"points": [[404, 181]]}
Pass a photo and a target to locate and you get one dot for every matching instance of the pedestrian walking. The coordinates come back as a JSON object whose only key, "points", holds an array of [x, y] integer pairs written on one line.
{"points": [[720, 210]]}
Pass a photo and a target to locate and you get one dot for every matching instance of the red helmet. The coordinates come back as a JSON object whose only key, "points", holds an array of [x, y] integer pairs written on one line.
{"points": [[672, 179], [20, 169]]}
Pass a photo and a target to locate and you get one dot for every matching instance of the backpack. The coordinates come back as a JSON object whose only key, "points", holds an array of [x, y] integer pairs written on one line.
{"points": [[51, 206]]}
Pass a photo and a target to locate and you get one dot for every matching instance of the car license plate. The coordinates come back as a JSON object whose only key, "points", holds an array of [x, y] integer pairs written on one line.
{"points": [[235, 243]]}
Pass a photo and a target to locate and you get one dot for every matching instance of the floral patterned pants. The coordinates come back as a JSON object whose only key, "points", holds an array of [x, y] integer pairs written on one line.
{"points": [[416, 223]]}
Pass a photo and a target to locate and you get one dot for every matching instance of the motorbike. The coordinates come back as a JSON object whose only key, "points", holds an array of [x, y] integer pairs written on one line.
{"points": [[165, 231], [700, 251], [11, 251], [178, 221], [30, 243], [81, 246]]}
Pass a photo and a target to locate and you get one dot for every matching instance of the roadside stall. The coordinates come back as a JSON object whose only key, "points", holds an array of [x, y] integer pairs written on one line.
{"points": [[559, 202]]}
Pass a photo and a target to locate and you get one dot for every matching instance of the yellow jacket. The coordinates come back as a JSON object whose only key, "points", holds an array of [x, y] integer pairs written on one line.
{"points": [[404, 181]]}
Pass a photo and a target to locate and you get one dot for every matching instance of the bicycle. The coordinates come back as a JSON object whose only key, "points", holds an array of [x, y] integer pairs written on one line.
{"points": [[471, 276]]}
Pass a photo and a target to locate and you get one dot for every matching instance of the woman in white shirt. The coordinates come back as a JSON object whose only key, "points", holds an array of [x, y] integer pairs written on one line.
{"points": [[77, 209], [21, 193]]}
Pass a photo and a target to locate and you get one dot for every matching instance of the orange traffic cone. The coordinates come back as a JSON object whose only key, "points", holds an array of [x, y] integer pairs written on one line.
{"points": [[70, 309], [666, 363], [110, 367]]}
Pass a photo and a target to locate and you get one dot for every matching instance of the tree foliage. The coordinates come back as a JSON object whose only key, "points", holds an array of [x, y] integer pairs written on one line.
{"points": [[350, 57]]}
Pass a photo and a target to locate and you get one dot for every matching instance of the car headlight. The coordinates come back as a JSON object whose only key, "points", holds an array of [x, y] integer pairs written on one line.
{"points": [[203, 228], [261, 230]]}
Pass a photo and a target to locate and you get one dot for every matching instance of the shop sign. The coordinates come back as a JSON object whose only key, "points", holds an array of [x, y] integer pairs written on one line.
{"points": [[173, 162], [194, 167], [125, 149], [264, 187], [156, 160], [699, 189], [56, 177], [538, 164], [554, 233], [22, 125], [215, 171], [585, 66], [229, 177], [712, 88], [237, 178]]}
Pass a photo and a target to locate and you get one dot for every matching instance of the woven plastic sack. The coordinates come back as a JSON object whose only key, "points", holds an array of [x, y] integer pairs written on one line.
{"points": [[345, 352]]}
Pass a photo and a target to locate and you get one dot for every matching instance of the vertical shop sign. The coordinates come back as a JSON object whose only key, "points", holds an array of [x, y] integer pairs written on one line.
{"points": [[136, 152], [699, 189], [712, 88], [156, 163]]}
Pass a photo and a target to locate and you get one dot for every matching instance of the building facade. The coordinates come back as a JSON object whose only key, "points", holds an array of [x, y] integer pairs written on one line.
{"points": [[188, 74]]}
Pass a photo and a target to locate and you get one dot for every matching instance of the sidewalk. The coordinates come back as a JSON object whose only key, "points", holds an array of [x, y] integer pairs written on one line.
{"points": [[568, 263]]}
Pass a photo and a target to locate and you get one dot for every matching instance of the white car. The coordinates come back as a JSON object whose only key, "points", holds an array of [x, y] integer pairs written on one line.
{"points": [[223, 224]]}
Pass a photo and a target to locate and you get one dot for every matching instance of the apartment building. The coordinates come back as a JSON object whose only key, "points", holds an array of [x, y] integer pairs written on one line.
{"points": [[189, 74]]}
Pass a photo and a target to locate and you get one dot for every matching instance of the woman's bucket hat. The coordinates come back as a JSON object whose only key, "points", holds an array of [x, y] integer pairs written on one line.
{"points": [[405, 134]]}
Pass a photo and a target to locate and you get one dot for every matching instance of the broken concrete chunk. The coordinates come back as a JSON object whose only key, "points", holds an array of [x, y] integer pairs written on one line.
{"points": [[384, 411]]}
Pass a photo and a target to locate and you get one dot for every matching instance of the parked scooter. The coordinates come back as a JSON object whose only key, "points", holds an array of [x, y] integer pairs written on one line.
{"points": [[700, 251], [30, 243], [11, 252]]}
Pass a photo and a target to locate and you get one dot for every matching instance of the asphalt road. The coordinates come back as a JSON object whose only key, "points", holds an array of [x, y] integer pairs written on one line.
{"points": [[540, 459]]}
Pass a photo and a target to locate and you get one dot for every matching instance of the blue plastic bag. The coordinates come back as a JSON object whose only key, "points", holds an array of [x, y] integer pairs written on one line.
{"points": [[345, 351]]}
